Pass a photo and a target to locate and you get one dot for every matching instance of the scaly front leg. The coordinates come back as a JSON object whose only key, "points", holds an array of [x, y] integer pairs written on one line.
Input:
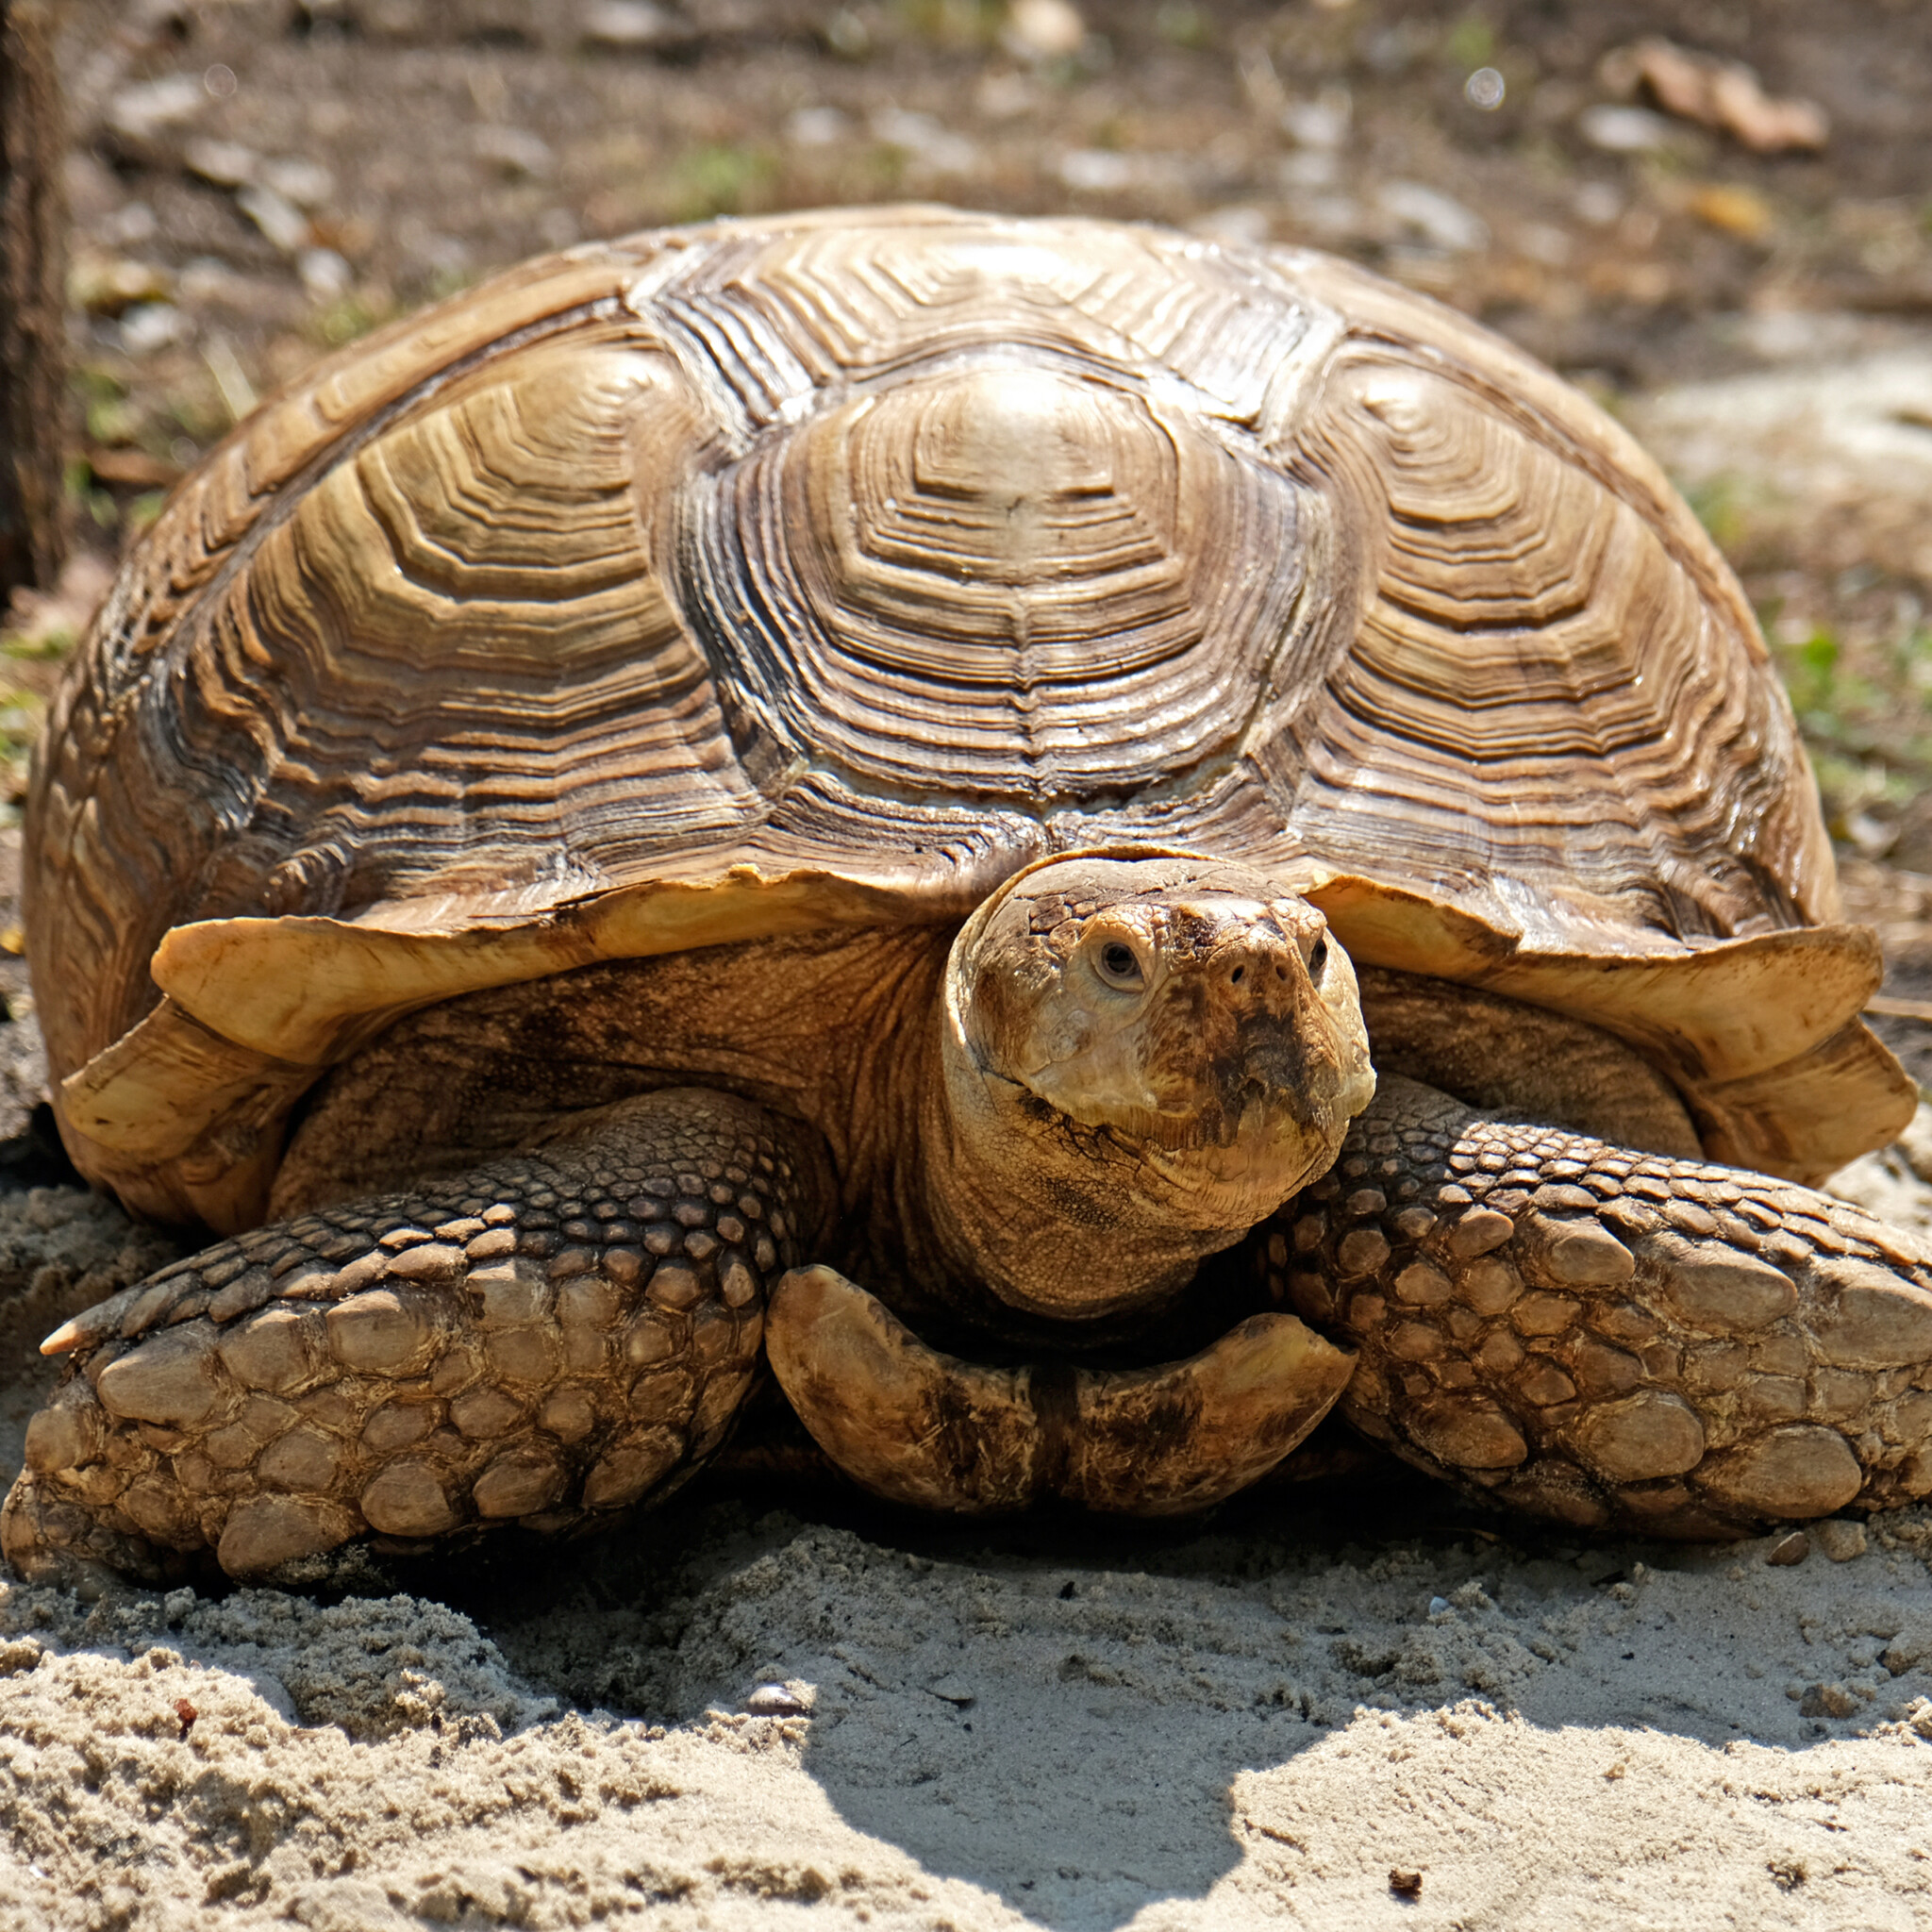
{"points": [[552, 1339], [1608, 1337]]}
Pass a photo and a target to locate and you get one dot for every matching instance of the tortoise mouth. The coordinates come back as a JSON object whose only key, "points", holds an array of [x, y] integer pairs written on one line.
{"points": [[1239, 1172], [1233, 1161]]}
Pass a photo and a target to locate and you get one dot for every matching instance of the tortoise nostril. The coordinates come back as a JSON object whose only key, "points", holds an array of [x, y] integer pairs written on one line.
{"points": [[1238, 974]]}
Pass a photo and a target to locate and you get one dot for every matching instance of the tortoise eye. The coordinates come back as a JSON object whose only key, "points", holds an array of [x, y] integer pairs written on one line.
{"points": [[1118, 965], [1318, 957]]}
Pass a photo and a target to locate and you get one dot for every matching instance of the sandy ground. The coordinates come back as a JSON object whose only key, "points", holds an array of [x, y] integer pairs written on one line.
{"points": [[1052, 1727]]}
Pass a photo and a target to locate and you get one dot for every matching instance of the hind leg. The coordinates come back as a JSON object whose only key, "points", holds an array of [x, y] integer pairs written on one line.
{"points": [[549, 1339], [1608, 1337]]}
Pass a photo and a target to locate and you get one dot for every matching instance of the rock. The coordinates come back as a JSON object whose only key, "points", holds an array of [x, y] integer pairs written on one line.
{"points": [[517, 152], [1623, 131], [1787, 1550], [1243, 224], [151, 325], [1433, 217], [1839, 1540], [1734, 210], [1042, 30], [227, 163], [111, 284], [1908, 1648], [276, 216], [1322, 124], [298, 180], [817, 128], [139, 113], [632, 23], [325, 273], [1826, 1700], [926, 140], [1099, 170], [793, 1699]]}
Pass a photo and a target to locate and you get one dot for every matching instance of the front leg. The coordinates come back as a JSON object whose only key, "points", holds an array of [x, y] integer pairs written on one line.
{"points": [[1612, 1338], [551, 1338]]}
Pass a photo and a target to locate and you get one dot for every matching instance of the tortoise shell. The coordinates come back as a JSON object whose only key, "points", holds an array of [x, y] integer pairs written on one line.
{"points": [[819, 569]]}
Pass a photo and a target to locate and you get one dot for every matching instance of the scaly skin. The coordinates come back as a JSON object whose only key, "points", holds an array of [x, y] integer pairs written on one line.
{"points": [[551, 1338], [1608, 1337]]}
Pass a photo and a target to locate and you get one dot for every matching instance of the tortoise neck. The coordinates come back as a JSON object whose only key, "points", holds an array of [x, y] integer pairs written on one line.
{"points": [[1019, 1206]]}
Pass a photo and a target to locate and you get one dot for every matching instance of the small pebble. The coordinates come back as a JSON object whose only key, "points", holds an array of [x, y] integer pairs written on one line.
{"points": [[1826, 1700], [1787, 1550], [1439, 1606], [1839, 1541], [1405, 1884], [780, 1700]]}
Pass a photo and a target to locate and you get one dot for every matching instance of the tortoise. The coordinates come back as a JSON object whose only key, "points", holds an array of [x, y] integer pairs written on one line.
{"points": [[1089, 843]]}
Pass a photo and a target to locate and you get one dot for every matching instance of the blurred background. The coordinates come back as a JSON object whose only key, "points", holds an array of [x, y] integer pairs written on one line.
{"points": [[1715, 217]]}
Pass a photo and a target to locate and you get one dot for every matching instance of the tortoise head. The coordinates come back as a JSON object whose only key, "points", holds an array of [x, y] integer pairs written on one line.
{"points": [[1165, 1046]]}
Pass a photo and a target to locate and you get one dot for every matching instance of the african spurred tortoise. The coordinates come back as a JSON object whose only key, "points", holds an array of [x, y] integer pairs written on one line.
{"points": [[1089, 842]]}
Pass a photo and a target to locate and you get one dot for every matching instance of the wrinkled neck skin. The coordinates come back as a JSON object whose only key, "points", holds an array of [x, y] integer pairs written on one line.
{"points": [[1013, 1228], [1135, 1062]]}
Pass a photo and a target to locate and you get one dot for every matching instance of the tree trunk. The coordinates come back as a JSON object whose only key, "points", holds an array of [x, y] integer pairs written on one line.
{"points": [[33, 323]]}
